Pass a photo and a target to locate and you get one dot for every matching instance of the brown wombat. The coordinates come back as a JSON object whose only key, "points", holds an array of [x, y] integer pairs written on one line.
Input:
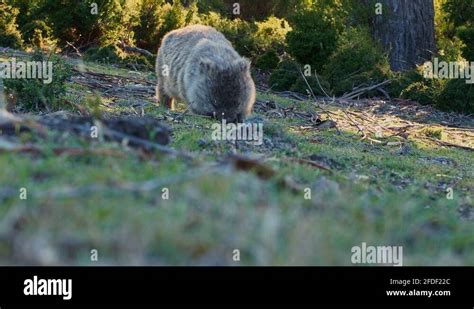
{"points": [[199, 66]]}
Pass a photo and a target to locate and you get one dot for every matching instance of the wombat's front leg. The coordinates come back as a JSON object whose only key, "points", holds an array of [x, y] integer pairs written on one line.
{"points": [[163, 98]]}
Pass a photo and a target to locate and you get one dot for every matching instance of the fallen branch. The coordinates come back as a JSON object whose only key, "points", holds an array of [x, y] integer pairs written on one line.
{"points": [[360, 91], [309, 162], [134, 49], [448, 144]]}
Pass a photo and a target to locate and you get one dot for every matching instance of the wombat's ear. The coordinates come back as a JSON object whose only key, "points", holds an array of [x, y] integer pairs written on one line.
{"points": [[243, 64], [206, 65]]}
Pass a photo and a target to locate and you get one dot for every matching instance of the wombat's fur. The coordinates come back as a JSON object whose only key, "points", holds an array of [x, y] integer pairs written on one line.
{"points": [[206, 72]]}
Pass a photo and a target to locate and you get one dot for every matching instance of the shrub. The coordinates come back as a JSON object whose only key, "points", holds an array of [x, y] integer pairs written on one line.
{"points": [[10, 36], [357, 61], [238, 31], [268, 61], [288, 77], [424, 92], [402, 80], [157, 18], [313, 38], [38, 34], [457, 96], [34, 94], [466, 34], [284, 76], [271, 34], [433, 133], [302, 87], [107, 54], [74, 22]]}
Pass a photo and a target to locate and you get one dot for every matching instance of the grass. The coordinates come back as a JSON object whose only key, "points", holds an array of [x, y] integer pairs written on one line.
{"points": [[378, 194]]}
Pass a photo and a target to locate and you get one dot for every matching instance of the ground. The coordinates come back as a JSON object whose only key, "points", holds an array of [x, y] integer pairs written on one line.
{"points": [[391, 173]]}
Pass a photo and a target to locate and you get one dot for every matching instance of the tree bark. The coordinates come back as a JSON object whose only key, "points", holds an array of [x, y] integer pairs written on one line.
{"points": [[406, 30]]}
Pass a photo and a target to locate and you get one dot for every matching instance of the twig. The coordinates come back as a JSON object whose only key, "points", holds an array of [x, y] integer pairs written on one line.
{"points": [[315, 98], [360, 91], [134, 49]]}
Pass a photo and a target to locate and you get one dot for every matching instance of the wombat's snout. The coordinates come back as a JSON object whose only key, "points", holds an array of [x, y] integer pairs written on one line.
{"points": [[229, 117]]}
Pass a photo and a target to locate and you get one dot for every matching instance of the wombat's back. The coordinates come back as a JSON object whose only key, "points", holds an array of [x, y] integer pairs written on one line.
{"points": [[176, 53]]}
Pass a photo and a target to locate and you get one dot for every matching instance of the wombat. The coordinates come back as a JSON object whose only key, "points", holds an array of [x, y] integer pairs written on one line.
{"points": [[199, 66]]}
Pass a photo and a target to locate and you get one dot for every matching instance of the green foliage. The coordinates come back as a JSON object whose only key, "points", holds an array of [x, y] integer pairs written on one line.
{"points": [[157, 18], [240, 32], [10, 36], [34, 94], [402, 80], [76, 23], [106, 54], [39, 35], [456, 27], [284, 76], [357, 61], [433, 133], [287, 76], [422, 92], [268, 61], [457, 96], [466, 34], [301, 85], [459, 12], [313, 38], [271, 34]]}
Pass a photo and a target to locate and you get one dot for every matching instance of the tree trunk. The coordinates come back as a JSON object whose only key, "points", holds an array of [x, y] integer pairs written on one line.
{"points": [[406, 30]]}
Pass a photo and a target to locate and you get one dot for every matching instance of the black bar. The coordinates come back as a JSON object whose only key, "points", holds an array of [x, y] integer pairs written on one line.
{"points": [[240, 285]]}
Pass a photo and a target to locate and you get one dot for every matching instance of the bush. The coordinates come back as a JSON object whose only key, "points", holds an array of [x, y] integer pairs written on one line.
{"points": [[301, 86], [284, 76], [457, 96], [238, 31], [357, 61], [271, 34], [425, 93], [10, 36], [34, 94], [107, 54], [466, 34], [157, 18], [268, 61], [73, 21], [313, 38], [287, 77], [402, 80], [38, 34]]}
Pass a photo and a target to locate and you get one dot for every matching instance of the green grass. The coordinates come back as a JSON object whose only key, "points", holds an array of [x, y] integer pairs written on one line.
{"points": [[376, 194]]}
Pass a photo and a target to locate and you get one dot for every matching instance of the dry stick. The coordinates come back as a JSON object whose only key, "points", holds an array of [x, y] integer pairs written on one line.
{"points": [[134, 49], [448, 144], [148, 144], [75, 49], [364, 135], [360, 91], [315, 99]]}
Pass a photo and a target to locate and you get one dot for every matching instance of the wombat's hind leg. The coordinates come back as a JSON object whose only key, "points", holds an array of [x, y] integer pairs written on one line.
{"points": [[164, 99]]}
